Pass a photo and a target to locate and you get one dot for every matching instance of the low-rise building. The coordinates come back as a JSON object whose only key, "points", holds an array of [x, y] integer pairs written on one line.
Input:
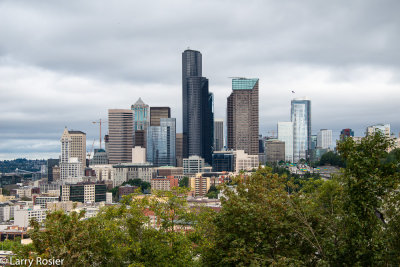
{"points": [[166, 171], [22, 216], [43, 200], [164, 184], [83, 192], [127, 171], [125, 190], [104, 172], [244, 161], [223, 161], [275, 150], [193, 165], [199, 185]]}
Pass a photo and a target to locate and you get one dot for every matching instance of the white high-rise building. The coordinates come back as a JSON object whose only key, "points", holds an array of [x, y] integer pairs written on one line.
{"points": [[285, 134], [301, 118], [324, 139], [383, 128], [71, 168]]}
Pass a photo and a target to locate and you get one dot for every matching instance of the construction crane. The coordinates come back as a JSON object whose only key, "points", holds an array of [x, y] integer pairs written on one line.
{"points": [[99, 122]]}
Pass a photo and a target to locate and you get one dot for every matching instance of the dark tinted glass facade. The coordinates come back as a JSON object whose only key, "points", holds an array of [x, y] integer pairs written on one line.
{"points": [[197, 112], [77, 193], [100, 192], [223, 162]]}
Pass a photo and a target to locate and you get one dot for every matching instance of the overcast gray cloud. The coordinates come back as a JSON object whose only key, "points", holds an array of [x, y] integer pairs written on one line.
{"points": [[64, 63]]}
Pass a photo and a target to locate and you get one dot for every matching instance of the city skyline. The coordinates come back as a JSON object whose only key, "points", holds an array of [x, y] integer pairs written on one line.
{"points": [[79, 63]]}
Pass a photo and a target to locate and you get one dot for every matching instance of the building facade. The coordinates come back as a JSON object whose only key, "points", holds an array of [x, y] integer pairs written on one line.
{"points": [[156, 113], [71, 168], [245, 162], [51, 163], [161, 143], [83, 192], [179, 149], [78, 146], [223, 161], [125, 172], [197, 108], [100, 157], [242, 116], [301, 119], [193, 165], [120, 137], [275, 150], [164, 184], [218, 134], [382, 128], [141, 120], [345, 133], [324, 139], [285, 134]]}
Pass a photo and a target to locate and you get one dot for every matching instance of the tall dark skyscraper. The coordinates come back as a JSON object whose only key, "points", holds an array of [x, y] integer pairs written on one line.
{"points": [[197, 108]]}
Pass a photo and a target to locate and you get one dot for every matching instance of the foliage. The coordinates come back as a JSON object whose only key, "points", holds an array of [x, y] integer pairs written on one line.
{"points": [[138, 182], [5, 191], [184, 182], [144, 187], [270, 218], [212, 192], [142, 231], [7, 166], [332, 158], [10, 245]]}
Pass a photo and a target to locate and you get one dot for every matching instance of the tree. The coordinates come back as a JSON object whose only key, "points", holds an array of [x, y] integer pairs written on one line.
{"points": [[253, 227], [332, 158], [212, 192], [367, 181], [142, 231], [184, 182]]}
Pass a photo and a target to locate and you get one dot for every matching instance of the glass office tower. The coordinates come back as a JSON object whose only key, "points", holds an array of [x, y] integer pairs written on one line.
{"points": [[197, 108], [301, 119], [161, 143]]}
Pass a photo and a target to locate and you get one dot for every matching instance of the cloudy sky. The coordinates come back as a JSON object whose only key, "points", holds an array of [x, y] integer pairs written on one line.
{"points": [[65, 63]]}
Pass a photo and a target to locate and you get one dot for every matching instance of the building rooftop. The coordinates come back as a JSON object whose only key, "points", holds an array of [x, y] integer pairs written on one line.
{"points": [[243, 83], [76, 132]]}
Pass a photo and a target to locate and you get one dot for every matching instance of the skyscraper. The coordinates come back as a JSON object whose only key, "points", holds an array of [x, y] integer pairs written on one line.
{"points": [[285, 134], [78, 146], [161, 143], [301, 119], [324, 139], [179, 149], [218, 134], [120, 132], [140, 122], [71, 166], [156, 113], [197, 108], [242, 116]]}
